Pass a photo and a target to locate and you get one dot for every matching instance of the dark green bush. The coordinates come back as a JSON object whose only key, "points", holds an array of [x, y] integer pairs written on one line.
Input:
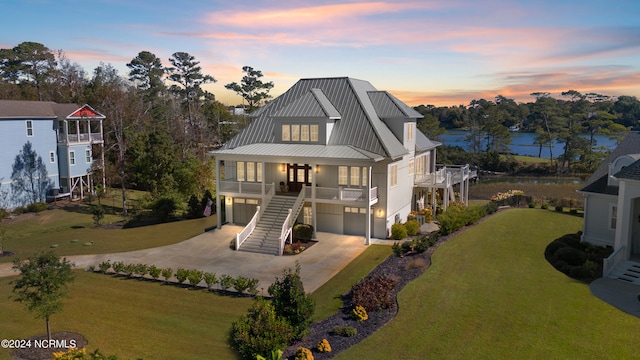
{"points": [[181, 275], [397, 249], [226, 282], [345, 331], [104, 266], [374, 293], [240, 284], [210, 279], [407, 246], [581, 272], [412, 227], [195, 276], [194, 206], [260, 331], [154, 272], [571, 256], [544, 206], [303, 232], [291, 302], [398, 231], [164, 208], [97, 213], [37, 207], [491, 207], [167, 273], [559, 208], [532, 205]]}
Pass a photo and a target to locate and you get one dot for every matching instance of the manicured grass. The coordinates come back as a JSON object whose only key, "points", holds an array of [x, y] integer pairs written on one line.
{"points": [[134, 319], [526, 159], [63, 227], [329, 296], [490, 294]]}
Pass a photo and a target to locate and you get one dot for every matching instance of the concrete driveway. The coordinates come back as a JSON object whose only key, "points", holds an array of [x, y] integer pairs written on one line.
{"points": [[210, 252]]}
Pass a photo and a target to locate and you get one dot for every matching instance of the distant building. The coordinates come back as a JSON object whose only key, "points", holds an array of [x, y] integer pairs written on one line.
{"points": [[67, 137]]}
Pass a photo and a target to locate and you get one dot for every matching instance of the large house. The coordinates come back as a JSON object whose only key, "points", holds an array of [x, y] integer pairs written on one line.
{"points": [[331, 152], [66, 137], [612, 209]]}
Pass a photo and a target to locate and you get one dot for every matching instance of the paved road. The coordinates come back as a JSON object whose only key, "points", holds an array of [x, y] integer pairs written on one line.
{"points": [[210, 252]]}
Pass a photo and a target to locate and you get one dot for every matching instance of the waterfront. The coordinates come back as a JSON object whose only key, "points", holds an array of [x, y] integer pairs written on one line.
{"points": [[522, 143]]}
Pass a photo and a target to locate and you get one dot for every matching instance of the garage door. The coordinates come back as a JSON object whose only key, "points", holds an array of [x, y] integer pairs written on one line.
{"points": [[243, 210], [354, 220]]}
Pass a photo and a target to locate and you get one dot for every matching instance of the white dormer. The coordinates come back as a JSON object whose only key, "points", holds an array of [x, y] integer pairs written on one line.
{"points": [[618, 164]]}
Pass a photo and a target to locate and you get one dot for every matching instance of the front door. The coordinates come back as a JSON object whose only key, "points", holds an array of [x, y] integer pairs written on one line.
{"points": [[298, 175]]}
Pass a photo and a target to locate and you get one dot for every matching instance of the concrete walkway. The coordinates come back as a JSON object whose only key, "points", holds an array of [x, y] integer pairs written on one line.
{"points": [[619, 294], [210, 252]]}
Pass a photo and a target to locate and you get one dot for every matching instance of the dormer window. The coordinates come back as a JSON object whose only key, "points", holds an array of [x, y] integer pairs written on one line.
{"points": [[300, 132]]}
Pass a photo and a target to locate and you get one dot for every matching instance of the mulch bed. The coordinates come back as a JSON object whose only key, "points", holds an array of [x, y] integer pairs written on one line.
{"points": [[36, 352], [402, 270]]}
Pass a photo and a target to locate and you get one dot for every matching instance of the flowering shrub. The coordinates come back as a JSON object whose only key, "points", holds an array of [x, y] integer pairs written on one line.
{"points": [[373, 293], [70, 354], [505, 195], [303, 354], [324, 346], [359, 313]]}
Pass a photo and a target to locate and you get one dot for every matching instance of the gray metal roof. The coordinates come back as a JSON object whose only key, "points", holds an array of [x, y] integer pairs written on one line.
{"points": [[423, 143], [359, 126], [21, 109], [388, 106], [629, 145], [300, 151]]}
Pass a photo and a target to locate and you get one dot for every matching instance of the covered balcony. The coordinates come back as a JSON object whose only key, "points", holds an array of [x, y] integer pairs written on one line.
{"points": [[80, 131]]}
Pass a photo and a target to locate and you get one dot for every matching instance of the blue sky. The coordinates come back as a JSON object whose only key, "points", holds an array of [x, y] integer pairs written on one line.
{"points": [[424, 52]]}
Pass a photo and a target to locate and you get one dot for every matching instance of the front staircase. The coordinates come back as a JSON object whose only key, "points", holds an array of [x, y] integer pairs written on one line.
{"points": [[265, 238], [627, 271]]}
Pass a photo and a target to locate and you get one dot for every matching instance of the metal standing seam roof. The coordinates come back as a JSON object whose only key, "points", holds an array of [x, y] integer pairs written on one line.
{"points": [[312, 104], [359, 125], [423, 143], [388, 106], [301, 151]]}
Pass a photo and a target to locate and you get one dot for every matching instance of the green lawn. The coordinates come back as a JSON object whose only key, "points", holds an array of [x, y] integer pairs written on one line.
{"points": [[525, 159], [490, 294], [70, 229], [132, 318]]}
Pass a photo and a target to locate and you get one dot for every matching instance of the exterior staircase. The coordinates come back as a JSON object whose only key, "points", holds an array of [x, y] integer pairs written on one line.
{"points": [[627, 271], [265, 238]]}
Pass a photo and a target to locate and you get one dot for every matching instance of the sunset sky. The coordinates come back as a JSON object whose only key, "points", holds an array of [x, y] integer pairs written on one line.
{"points": [[424, 52]]}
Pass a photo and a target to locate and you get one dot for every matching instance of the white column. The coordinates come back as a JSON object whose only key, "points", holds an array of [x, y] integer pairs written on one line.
{"points": [[218, 205], [367, 230], [314, 221]]}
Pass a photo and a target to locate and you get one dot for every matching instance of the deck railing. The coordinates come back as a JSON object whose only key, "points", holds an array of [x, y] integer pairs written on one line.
{"points": [[342, 194], [243, 187], [287, 225], [609, 263], [244, 234]]}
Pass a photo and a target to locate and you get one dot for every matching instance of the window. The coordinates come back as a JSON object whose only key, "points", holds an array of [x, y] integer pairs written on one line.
{"points": [[251, 171], [411, 166], [259, 172], [393, 175], [286, 133], [365, 172], [72, 158], [613, 211], [52, 157], [409, 131], [313, 129], [252, 201], [240, 171], [87, 156], [355, 176], [304, 132], [295, 132], [29, 128], [342, 175], [307, 215]]}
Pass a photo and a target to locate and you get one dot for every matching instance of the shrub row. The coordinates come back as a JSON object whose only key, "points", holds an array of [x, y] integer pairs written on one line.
{"points": [[240, 284], [400, 231], [417, 245], [457, 216], [576, 259]]}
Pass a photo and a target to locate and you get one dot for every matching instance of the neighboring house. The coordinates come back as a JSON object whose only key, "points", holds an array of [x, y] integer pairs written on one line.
{"points": [[332, 152], [66, 136], [612, 209]]}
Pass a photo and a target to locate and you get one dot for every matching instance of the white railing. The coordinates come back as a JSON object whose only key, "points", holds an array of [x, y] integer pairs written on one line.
{"points": [[609, 263], [244, 234], [373, 193], [243, 187], [96, 136], [342, 194], [285, 233]]}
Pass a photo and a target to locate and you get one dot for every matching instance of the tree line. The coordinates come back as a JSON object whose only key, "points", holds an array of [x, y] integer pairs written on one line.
{"points": [[564, 121], [160, 122]]}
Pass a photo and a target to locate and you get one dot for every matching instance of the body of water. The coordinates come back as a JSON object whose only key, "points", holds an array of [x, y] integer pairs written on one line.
{"points": [[521, 143]]}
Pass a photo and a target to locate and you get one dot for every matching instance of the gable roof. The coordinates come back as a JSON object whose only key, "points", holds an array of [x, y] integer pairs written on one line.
{"points": [[629, 145], [631, 172], [21, 109], [346, 99]]}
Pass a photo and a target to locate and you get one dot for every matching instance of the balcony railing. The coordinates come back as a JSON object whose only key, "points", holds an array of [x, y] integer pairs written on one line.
{"points": [[83, 137], [243, 187], [342, 194]]}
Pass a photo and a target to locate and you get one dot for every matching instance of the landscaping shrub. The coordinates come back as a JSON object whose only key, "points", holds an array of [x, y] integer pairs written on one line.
{"points": [[491, 207], [154, 272], [37, 207], [226, 282], [398, 231], [359, 313], [407, 246], [181, 275], [252, 287], [345, 331], [210, 279], [324, 346], [544, 206], [579, 260], [140, 269], [397, 249], [260, 331], [194, 276], [164, 208], [559, 208], [167, 273], [194, 207], [118, 267], [412, 227], [97, 213], [291, 302], [458, 216], [240, 284], [373, 293], [303, 232], [104, 266], [129, 269], [570, 255], [303, 354], [532, 205]]}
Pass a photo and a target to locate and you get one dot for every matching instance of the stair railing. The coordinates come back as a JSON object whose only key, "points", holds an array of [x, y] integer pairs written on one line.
{"points": [[244, 234], [609, 263], [287, 224]]}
